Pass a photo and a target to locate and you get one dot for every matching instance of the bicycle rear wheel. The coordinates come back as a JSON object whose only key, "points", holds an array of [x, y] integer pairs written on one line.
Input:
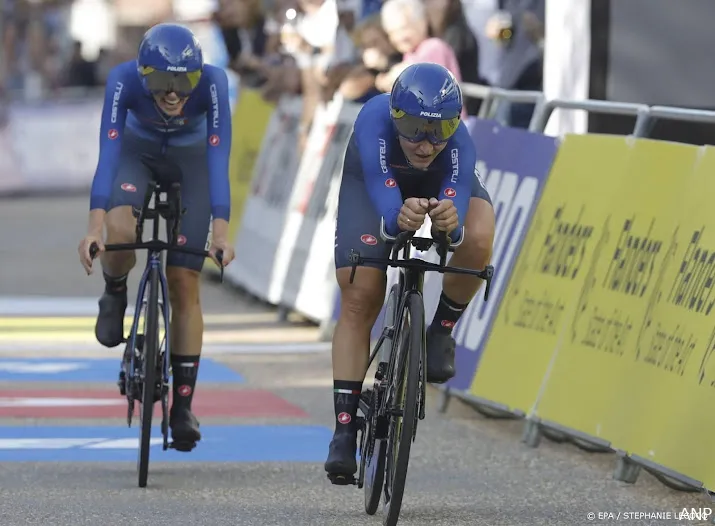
{"points": [[151, 346], [404, 398]]}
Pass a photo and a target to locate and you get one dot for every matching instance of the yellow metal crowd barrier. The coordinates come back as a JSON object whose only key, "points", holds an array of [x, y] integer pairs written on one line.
{"points": [[605, 327]]}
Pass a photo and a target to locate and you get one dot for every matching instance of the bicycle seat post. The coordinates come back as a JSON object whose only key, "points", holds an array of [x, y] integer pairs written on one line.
{"points": [[155, 211], [174, 212], [142, 214]]}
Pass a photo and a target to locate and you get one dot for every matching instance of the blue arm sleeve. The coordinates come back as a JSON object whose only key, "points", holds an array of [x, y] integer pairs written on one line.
{"points": [[372, 136], [218, 138], [457, 184], [114, 114]]}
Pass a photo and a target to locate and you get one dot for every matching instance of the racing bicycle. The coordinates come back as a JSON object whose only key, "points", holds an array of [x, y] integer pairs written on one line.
{"points": [[397, 400], [145, 369]]}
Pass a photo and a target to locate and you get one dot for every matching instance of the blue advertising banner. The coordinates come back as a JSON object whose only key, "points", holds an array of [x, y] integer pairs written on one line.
{"points": [[514, 165]]}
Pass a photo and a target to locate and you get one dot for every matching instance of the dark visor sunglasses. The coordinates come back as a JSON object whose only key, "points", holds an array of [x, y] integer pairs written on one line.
{"points": [[181, 83], [417, 129]]}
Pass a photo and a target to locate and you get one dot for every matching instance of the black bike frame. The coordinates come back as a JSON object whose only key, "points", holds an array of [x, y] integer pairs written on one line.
{"points": [[171, 211], [155, 262], [412, 279]]}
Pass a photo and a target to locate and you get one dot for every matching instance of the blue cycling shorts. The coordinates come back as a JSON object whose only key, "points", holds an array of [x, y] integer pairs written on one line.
{"points": [[133, 176]]}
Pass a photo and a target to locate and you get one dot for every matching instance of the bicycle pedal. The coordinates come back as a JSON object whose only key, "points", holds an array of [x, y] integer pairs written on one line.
{"points": [[342, 480], [184, 447]]}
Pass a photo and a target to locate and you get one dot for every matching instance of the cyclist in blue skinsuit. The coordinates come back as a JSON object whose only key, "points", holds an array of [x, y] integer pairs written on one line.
{"points": [[166, 104], [409, 156]]}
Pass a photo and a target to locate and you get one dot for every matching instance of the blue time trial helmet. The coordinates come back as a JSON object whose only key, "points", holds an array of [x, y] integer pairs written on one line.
{"points": [[426, 103], [170, 59]]}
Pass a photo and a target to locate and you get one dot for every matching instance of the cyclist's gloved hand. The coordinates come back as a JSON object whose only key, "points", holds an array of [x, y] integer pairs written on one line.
{"points": [[84, 245], [444, 215], [412, 214], [228, 253]]}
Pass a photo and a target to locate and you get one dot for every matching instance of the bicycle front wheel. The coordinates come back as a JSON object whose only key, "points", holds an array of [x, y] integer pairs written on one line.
{"points": [[375, 450], [151, 348], [404, 399]]}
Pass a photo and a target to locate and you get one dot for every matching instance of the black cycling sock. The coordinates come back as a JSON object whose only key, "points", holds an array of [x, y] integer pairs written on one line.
{"points": [[115, 285], [447, 314], [184, 370], [346, 396]]}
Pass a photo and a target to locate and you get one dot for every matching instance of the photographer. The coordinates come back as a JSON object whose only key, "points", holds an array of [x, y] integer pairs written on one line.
{"points": [[518, 28]]}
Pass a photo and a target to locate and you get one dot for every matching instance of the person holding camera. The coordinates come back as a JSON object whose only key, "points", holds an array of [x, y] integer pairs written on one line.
{"points": [[518, 27]]}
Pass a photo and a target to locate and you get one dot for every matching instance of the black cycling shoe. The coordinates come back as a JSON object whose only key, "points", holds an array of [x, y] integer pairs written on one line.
{"points": [[440, 356], [341, 464], [184, 429], [109, 329]]}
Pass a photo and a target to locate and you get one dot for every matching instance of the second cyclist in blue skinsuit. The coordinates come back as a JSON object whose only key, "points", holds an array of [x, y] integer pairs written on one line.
{"points": [[166, 104], [409, 156]]}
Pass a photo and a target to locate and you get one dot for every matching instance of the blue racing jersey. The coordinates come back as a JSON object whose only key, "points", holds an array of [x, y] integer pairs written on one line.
{"points": [[206, 116], [384, 164]]}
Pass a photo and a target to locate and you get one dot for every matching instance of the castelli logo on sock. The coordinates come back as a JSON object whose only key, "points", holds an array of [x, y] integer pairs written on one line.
{"points": [[184, 390], [344, 418]]}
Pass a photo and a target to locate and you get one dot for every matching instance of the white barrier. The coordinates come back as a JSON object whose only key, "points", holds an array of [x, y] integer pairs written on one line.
{"points": [[50, 146], [316, 294], [266, 206], [285, 279], [284, 242]]}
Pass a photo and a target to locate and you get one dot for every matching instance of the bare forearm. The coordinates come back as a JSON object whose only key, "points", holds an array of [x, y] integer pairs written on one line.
{"points": [[96, 221], [219, 230]]}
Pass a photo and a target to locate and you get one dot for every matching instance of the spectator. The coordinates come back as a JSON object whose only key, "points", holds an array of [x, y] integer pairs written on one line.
{"points": [[257, 45], [274, 12], [103, 64], [370, 7], [477, 14], [283, 75], [345, 56], [316, 30], [81, 72], [14, 32], [405, 22], [244, 31], [519, 29], [377, 56], [448, 23]]}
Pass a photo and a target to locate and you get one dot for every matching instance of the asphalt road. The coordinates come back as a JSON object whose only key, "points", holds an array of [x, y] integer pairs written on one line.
{"points": [[464, 470]]}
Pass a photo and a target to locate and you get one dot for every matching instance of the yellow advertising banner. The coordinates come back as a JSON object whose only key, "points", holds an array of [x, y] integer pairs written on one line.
{"points": [[596, 360], [539, 303], [668, 402], [250, 120]]}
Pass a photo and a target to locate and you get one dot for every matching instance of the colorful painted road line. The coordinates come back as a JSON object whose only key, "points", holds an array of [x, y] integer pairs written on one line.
{"points": [[267, 443], [53, 371], [91, 370], [37, 324], [92, 403]]}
